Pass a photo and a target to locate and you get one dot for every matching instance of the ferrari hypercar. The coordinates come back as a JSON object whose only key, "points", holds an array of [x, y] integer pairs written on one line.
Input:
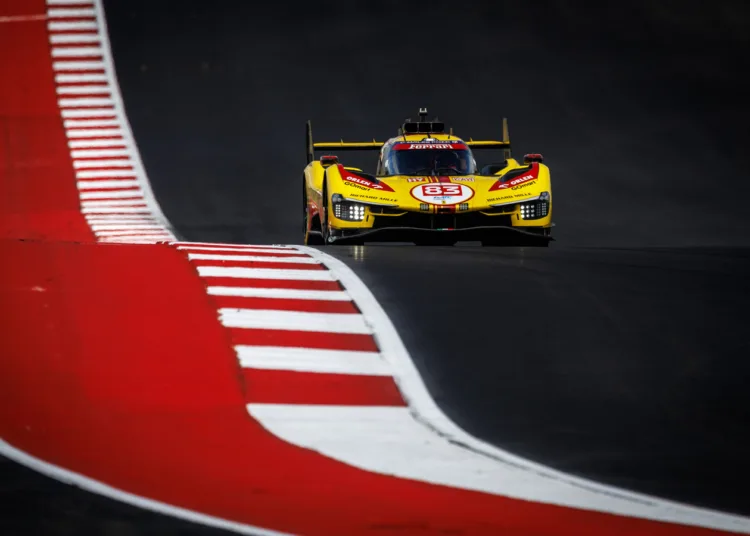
{"points": [[426, 189]]}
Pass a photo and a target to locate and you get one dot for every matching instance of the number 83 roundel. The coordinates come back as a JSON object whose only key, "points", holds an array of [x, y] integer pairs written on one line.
{"points": [[442, 193]]}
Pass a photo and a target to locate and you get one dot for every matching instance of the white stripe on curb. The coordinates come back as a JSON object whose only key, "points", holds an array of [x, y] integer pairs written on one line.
{"points": [[312, 360]]}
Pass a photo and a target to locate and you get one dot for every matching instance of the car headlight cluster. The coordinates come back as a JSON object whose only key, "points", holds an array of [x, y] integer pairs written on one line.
{"points": [[347, 210], [537, 209]]}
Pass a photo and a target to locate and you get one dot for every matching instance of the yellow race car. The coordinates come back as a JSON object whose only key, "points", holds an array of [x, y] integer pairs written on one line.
{"points": [[426, 189]]}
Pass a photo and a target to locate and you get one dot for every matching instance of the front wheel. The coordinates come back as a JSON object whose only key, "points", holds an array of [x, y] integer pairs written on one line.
{"points": [[311, 238]]}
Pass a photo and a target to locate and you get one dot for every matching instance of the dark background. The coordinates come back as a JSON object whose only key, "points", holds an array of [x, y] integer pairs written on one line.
{"points": [[604, 355], [639, 107]]}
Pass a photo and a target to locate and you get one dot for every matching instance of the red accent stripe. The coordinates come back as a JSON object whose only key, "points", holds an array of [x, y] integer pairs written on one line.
{"points": [[95, 158], [270, 283], [284, 304], [80, 71], [80, 84], [259, 264], [443, 178], [124, 189], [96, 95], [81, 5], [292, 387], [303, 339]]}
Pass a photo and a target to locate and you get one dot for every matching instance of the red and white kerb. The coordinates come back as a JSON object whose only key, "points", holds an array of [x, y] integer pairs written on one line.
{"points": [[115, 195]]}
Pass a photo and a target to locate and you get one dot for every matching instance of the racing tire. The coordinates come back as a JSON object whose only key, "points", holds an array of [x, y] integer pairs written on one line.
{"points": [[309, 239], [324, 218]]}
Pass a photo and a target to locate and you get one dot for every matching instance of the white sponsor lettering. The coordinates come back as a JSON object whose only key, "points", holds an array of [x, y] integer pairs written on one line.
{"points": [[442, 193]]}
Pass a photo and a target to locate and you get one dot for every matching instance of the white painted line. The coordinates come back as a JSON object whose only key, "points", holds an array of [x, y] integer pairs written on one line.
{"points": [[140, 239], [251, 258], [125, 218], [247, 249], [76, 52], [99, 227], [93, 132], [83, 90], [312, 360], [99, 184], [57, 39], [105, 173], [141, 174], [265, 273], [99, 153], [125, 232], [61, 26], [79, 78], [84, 101], [293, 320], [91, 65], [158, 234], [151, 224], [281, 293], [111, 194], [114, 210], [71, 13], [82, 123], [234, 246], [94, 486], [102, 163], [88, 112], [117, 203], [110, 144]]}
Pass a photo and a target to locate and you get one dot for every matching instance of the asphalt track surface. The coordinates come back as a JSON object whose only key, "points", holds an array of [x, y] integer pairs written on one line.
{"points": [[619, 353], [625, 365]]}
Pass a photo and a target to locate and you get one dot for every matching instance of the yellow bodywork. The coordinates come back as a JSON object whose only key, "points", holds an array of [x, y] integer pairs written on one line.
{"points": [[398, 194]]}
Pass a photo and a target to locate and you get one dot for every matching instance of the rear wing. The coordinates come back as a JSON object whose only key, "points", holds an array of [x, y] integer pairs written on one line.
{"points": [[377, 145], [338, 145]]}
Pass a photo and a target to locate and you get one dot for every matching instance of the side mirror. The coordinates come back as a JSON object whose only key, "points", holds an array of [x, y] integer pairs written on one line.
{"points": [[328, 160], [532, 157]]}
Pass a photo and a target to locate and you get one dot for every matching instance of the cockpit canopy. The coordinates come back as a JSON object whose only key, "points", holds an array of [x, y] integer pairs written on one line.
{"points": [[431, 157]]}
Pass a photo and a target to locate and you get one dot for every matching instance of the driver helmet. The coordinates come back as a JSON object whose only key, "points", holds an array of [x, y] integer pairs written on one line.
{"points": [[447, 159]]}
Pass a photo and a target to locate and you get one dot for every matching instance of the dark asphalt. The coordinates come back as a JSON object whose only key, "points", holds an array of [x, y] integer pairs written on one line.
{"points": [[32, 504], [625, 365]]}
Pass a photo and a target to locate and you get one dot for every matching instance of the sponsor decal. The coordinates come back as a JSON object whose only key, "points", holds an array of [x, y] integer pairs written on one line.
{"points": [[355, 185], [531, 175], [442, 193], [433, 145], [523, 185], [417, 179], [463, 179], [373, 197], [352, 179]]}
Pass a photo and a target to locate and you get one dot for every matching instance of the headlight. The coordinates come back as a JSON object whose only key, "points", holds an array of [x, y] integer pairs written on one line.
{"points": [[348, 210], [537, 209]]}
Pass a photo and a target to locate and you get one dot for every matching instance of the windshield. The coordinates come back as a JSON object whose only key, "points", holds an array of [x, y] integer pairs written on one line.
{"points": [[430, 159]]}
